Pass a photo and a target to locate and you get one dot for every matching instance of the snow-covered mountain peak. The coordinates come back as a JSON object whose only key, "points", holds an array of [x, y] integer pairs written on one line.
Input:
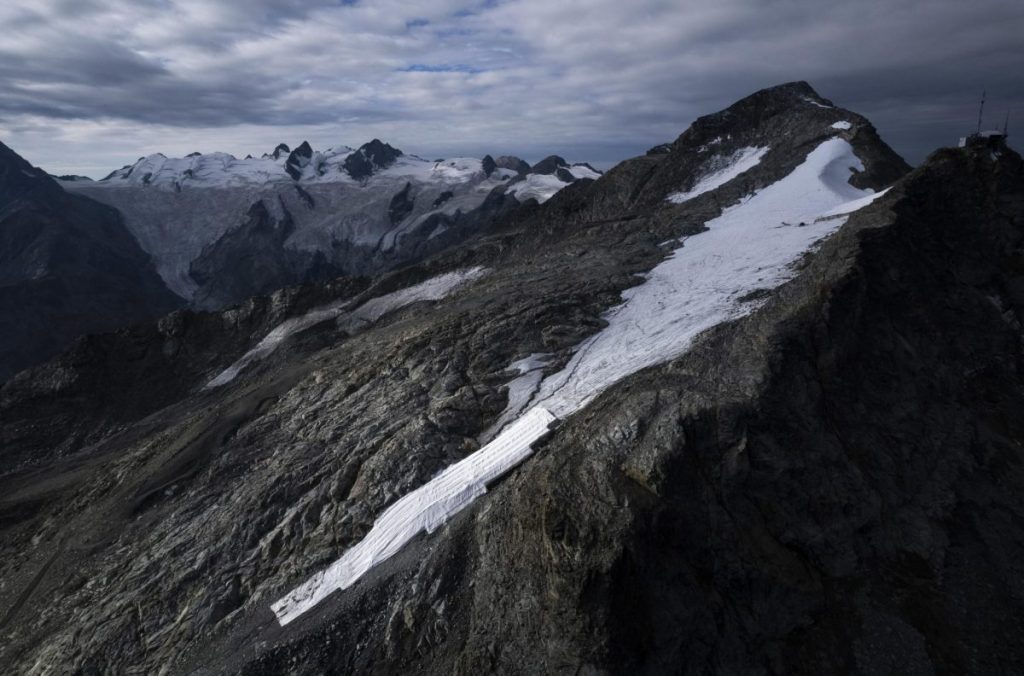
{"points": [[199, 215]]}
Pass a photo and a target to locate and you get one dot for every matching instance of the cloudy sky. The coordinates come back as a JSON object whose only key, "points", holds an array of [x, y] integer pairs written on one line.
{"points": [[90, 85]]}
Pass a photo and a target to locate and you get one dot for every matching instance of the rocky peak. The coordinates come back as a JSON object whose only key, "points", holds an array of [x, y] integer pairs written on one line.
{"points": [[298, 159], [20, 180], [488, 165], [281, 149], [369, 158], [549, 165], [513, 163], [779, 125]]}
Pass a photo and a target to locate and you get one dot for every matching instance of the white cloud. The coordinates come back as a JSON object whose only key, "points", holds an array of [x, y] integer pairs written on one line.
{"points": [[90, 85]]}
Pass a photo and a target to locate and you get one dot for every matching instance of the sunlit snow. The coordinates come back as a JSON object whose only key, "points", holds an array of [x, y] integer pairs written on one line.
{"points": [[540, 187], [720, 170]]}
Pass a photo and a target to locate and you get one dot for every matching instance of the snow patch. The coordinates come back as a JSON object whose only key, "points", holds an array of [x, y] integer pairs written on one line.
{"points": [[853, 205], [435, 288], [520, 391], [540, 187], [583, 171], [720, 170], [351, 321], [424, 509], [815, 103], [842, 124], [277, 335]]}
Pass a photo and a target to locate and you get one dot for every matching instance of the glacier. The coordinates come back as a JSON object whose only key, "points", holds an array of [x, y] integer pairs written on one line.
{"points": [[751, 246], [424, 509]]}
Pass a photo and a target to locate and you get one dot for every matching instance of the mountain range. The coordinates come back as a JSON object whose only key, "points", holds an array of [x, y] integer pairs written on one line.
{"points": [[221, 229], [745, 404], [80, 255]]}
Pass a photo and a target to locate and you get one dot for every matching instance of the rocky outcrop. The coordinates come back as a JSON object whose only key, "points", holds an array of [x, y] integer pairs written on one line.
{"points": [[369, 158], [488, 165], [253, 259], [106, 381], [297, 160], [442, 198], [401, 205], [514, 163], [549, 165]]}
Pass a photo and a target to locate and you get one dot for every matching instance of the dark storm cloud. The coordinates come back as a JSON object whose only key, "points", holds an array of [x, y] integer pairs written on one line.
{"points": [[594, 79]]}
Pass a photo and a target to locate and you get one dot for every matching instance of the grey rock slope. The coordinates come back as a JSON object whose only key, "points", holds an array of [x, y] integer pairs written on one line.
{"points": [[222, 229], [68, 266], [829, 483]]}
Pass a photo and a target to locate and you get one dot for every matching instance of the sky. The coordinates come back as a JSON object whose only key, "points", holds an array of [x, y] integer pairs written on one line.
{"points": [[87, 86]]}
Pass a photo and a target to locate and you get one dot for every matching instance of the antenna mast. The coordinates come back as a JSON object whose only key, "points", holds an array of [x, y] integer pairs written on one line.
{"points": [[981, 109]]}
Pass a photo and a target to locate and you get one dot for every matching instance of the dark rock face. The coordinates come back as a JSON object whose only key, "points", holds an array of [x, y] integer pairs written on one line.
{"points": [[549, 165], [369, 158], [513, 163], [281, 149], [306, 198], [401, 205], [252, 259], [831, 484], [442, 198], [297, 160], [67, 267], [488, 165]]}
